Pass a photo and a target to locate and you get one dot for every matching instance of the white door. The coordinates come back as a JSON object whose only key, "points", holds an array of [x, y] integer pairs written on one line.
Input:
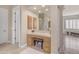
{"points": [[3, 25], [16, 26]]}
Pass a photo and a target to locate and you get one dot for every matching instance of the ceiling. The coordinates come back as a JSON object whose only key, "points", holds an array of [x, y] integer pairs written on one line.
{"points": [[71, 9], [33, 8], [39, 9]]}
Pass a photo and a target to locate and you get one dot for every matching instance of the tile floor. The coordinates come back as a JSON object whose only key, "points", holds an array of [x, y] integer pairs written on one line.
{"points": [[7, 48], [71, 45], [29, 50]]}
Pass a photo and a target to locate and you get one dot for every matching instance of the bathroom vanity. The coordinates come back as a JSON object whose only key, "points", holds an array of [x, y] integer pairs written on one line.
{"points": [[38, 33]]}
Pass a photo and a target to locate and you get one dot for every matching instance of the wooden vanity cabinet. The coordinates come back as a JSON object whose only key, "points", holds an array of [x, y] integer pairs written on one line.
{"points": [[46, 43]]}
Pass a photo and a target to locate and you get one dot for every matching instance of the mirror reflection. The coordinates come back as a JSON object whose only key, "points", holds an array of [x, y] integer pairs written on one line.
{"points": [[44, 22]]}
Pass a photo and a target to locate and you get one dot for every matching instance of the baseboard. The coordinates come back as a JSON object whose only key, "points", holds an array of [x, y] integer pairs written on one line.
{"points": [[23, 46], [5, 42]]}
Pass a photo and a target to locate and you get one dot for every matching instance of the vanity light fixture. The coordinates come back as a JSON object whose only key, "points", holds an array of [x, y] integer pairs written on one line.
{"points": [[46, 9]]}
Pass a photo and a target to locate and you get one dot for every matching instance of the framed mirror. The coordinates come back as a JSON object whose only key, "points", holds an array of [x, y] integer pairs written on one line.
{"points": [[44, 22]]}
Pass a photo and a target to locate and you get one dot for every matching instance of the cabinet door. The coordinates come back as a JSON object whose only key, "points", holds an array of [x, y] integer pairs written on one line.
{"points": [[29, 22]]}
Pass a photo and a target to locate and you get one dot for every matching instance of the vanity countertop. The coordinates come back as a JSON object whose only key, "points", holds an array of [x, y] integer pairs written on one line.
{"points": [[41, 33]]}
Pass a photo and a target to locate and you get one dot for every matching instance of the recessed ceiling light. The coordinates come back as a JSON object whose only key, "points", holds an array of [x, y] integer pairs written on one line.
{"points": [[46, 9], [34, 8], [39, 11], [43, 5]]}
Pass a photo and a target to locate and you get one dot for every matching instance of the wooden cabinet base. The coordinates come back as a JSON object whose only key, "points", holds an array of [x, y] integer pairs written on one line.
{"points": [[46, 43]]}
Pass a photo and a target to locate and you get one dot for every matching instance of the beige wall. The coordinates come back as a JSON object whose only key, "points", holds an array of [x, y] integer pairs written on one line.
{"points": [[56, 28], [23, 27]]}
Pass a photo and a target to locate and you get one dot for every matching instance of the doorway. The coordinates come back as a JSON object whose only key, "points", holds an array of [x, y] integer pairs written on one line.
{"points": [[71, 28], [16, 26], [3, 25]]}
